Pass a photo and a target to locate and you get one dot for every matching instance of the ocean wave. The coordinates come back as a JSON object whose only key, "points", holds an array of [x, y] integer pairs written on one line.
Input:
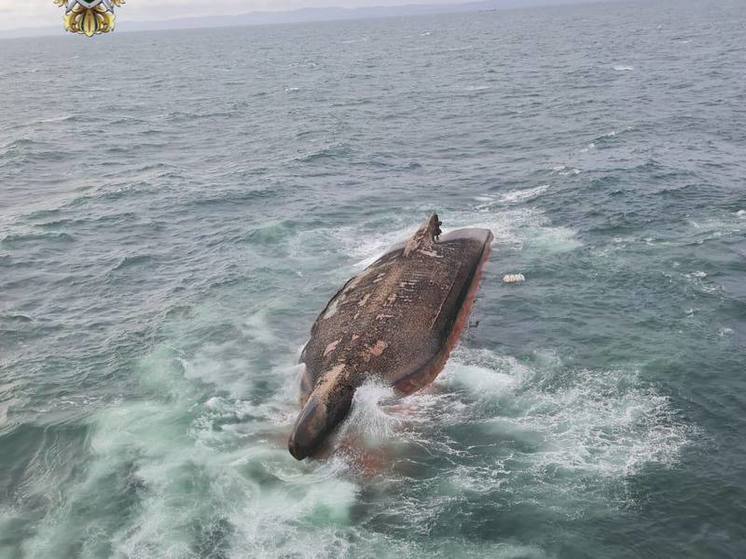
{"points": [[332, 151], [72, 222], [476, 88], [607, 424], [525, 229], [19, 318], [611, 135], [202, 447], [564, 170], [189, 116], [30, 150], [271, 234], [523, 195], [123, 120], [48, 120], [235, 196], [361, 39], [133, 260], [170, 275], [13, 239]]}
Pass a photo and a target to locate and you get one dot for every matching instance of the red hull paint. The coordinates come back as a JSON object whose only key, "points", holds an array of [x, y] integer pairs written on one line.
{"points": [[430, 372]]}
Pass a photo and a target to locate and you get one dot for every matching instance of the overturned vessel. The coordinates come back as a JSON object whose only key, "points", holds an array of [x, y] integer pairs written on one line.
{"points": [[396, 321]]}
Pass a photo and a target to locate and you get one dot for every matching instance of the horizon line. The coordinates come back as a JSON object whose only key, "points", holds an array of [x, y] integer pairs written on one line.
{"points": [[311, 15]]}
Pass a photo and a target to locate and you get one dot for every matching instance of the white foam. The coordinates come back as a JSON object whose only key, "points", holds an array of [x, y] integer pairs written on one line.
{"points": [[196, 457], [214, 462], [483, 381], [564, 170], [361, 39], [523, 195], [513, 226], [606, 424], [368, 420], [258, 327], [271, 523], [552, 239], [718, 227], [602, 426], [368, 248], [202, 446], [521, 228]]}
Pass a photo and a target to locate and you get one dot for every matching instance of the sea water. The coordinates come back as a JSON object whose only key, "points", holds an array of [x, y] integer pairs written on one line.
{"points": [[177, 207]]}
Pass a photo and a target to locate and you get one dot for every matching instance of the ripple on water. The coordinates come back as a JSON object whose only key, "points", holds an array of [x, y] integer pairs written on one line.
{"points": [[156, 400]]}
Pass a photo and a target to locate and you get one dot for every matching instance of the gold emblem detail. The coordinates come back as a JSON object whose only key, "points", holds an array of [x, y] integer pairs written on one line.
{"points": [[89, 17]]}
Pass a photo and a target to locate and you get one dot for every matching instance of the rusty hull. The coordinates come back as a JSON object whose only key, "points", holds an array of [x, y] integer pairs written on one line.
{"points": [[397, 321]]}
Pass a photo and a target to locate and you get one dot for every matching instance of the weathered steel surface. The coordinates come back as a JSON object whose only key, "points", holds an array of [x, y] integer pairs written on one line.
{"points": [[396, 321]]}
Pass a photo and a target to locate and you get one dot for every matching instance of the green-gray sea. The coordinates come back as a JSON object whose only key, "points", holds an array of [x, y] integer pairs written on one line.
{"points": [[177, 207]]}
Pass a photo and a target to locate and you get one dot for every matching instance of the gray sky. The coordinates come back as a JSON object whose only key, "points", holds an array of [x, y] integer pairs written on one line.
{"points": [[16, 14]]}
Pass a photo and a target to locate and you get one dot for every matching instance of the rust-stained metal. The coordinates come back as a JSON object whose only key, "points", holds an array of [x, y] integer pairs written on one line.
{"points": [[397, 321]]}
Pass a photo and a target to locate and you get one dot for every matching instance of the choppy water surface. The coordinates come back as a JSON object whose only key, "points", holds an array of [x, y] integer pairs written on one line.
{"points": [[175, 209]]}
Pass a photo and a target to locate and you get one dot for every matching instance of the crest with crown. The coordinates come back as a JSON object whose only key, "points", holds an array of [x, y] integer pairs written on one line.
{"points": [[89, 17]]}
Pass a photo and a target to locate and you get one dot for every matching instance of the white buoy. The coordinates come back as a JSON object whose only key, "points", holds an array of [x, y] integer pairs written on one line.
{"points": [[514, 278]]}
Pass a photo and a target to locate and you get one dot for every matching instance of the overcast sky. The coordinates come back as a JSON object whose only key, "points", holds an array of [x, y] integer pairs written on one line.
{"points": [[16, 14]]}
